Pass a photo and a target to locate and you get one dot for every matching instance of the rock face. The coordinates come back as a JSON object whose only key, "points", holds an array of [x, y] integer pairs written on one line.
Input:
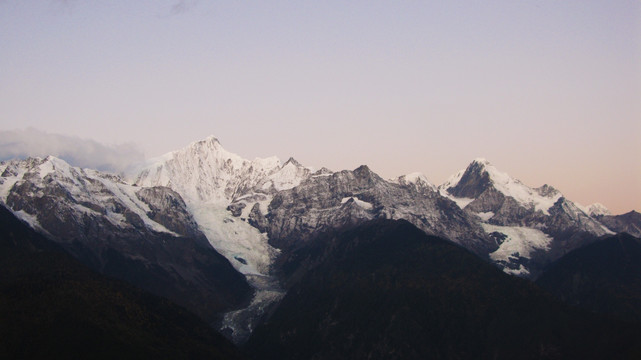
{"points": [[221, 190], [629, 222], [345, 198], [603, 277], [228, 197], [166, 226], [386, 290], [534, 226], [55, 307], [144, 236], [205, 172], [167, 208], [521, 229]]}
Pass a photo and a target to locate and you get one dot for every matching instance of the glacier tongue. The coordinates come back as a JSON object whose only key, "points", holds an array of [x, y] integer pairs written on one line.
{"points": [[211, 180], [242, 244], [518, 242]]}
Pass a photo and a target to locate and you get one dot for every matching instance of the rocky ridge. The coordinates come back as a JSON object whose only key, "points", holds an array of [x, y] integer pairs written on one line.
{"points": [[251, 211], [533, 226], [144, 236]]}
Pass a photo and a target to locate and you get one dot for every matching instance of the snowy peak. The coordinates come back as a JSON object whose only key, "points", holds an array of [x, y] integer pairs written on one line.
{"points": [[597, 209], [481, 162], [205, 172], [72, 195], [289, 175], [364, 174], [416, 179], [481, 176], [547, 191], [291, 161], [472, 182]]}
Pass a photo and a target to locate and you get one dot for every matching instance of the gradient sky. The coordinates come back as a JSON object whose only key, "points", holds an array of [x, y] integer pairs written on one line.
{"points": [[548, 91]]}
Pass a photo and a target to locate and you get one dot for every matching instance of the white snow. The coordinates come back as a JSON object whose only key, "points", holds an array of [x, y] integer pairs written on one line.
{"points": [[234, 238], [28, 218], [521, 271], [209, 178], [8, 182], [485, 216], [415, 178], [262, 205], [364, 204], [462, 202], [288, 176], [452, 181], [126, 194], [520, 241], [507, 185], [520, 192], [595, 209]]}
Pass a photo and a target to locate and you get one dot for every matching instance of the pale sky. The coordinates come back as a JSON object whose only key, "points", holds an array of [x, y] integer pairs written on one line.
{"points": [[548, 91]]}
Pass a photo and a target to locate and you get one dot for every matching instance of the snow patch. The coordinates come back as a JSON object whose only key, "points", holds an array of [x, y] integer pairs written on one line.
{"points": [[452, 181], [521, 271], [30, 219], [234, 239], [364, 204], [596, 209], [485, 216], [520, 242], [520, 192], [126, 194], [460, 201]]}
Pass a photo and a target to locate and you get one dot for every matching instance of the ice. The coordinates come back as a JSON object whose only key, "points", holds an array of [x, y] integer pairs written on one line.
{"points": [[485, 216], [242, 322], [234, 239], [520, 240], [460, 201], [508, 186], [364, 204]]}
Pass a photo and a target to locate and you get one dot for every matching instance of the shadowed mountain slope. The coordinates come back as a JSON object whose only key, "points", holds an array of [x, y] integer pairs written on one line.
{"points": [[386, 290], [51, 306], [604, 277]]}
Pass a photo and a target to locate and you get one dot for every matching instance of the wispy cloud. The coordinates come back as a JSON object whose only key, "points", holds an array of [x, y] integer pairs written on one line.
{"points": [[19, 144], [182, 6]]}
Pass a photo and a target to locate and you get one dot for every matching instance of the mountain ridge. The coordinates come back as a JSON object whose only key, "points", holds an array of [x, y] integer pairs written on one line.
{"points": [[253, 211]]}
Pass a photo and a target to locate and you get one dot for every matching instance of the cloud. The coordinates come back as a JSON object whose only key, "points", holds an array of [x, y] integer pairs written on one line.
{"points": [[182, 6], [20, 144]]}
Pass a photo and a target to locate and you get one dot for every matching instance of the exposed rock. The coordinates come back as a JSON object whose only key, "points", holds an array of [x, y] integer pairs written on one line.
{"points": [[629, 222], [236, 208], [144, 236], [350, 197], [257, 219]]}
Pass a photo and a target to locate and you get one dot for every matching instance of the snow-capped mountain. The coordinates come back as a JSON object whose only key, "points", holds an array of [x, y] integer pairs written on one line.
{"points": [[629, 222], [165, 226], [416, 179], [218, 186], [596, 209], [532, 225], [326, 202], [143, 235]]}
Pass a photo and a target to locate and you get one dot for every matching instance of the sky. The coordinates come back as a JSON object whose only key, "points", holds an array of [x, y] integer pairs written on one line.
{"points": [[548, 91]]}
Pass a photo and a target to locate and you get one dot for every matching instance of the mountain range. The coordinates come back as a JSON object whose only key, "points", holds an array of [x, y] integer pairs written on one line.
{"points": [[217, 233]]}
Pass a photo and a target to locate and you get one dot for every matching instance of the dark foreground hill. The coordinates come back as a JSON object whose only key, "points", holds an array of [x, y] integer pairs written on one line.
{"points": [[386, 290], [603, 277], [51, 306]]}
